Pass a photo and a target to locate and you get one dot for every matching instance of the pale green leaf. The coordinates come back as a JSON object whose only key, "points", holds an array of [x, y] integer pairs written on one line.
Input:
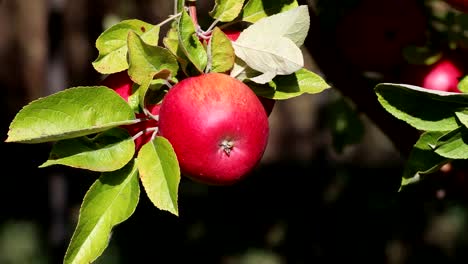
{"points": [[255, 10], [190, 44], [112, 44], [264, 77], [107, 151], [147, 62], [111, 200], [293, 24], [423, 159], [424, 109], [160, 173], [289, 86], [73, 112], [278, 55], [222, 52], [226, 10]]}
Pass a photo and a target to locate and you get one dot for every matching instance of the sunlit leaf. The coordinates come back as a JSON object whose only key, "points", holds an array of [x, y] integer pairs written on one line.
{"points": [[423, 159], [453, 145], [190, 44], [73, 112], [293, 24], [255, 10], [424, 109], [112, 44], [108, 151], [226, 10], [148, 61], [160, 174], [111, 200], [222, 53], [289, 86]]}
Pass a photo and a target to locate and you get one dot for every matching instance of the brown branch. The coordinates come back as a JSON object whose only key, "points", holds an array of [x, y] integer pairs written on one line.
{"points": [[352, 84]]}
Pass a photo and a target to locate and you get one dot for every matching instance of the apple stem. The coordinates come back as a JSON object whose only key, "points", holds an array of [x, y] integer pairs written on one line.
{"points": [[149, 129], [171, 17], [192, 9], [210, 58], [227, 146], [213, 25]]}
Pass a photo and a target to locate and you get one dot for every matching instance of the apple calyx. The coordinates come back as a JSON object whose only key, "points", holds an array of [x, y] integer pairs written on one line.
{"points": [[227, 146]]}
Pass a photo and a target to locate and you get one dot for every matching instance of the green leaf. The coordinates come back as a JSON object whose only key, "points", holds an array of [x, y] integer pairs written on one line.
{"points": [[111, 200], [226, 10], [289, 86], [462, 116], [147, 61], [453, 145], [222, 52], [423, 159], [463, 84], [255, 10], [112, 44], [160, 174], [293, 24], [424, 109], [180, 5], [190, 44], [73, 112], [108, 151], [171, 42]]}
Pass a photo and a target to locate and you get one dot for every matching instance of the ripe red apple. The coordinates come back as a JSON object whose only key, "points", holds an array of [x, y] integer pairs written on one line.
{"points": [[461, 5], [444, 75], [217, 125], [122, 84], [268, 103], [372, 35]]}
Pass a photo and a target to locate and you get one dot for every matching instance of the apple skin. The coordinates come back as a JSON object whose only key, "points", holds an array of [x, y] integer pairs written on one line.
{"points": [[444, 75], [217, 126], [268, 103], [372, 35], [460, 5], [121, 83]]}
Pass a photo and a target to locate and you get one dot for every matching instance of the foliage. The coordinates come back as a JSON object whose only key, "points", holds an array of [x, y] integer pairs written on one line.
{"points": [[84, 122]]}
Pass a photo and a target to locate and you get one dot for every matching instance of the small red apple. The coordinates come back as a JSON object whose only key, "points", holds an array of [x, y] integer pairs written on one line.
{"points": [[217, 126], [461, 5], [122, 84], [444, 75]]}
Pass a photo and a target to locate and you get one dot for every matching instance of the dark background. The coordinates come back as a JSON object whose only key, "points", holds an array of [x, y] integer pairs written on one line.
{"points": [[307, 202]]}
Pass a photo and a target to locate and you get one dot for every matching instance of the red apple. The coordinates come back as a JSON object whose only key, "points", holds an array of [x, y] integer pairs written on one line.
{"points": [[372, 35], [143, 126], [122, 84], [217, 125], [268, 103], [444, 75], [233, 35], [461, 5]]}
